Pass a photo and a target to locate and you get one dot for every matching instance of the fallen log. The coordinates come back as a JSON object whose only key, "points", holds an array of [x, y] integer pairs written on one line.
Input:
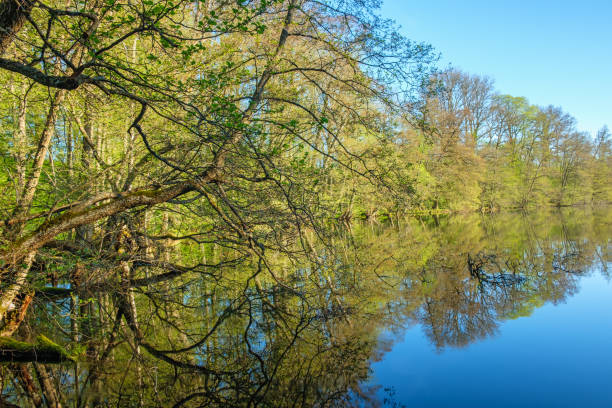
{"points": [[43, 351]]}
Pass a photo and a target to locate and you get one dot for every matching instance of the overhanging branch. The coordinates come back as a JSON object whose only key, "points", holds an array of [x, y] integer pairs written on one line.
{"points": [[52, 81]]}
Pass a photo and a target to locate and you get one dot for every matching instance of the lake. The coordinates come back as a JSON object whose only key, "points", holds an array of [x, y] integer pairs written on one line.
{"points": [[470, 310], [559, 356], [467, 347]]}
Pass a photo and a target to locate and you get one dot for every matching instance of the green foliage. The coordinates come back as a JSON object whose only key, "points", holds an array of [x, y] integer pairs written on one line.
{"points": [[181, 176]]}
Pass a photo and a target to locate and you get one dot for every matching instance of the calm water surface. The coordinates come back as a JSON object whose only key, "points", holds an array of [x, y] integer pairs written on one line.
{"points": [[511, 310], [555, 353], [559, 356]]}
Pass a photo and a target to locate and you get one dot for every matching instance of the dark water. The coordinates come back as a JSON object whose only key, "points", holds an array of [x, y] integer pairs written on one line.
{"points": [[512, 310]]}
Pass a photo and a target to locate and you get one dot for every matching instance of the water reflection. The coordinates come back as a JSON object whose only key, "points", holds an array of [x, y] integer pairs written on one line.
{"points": [[308, 335]]}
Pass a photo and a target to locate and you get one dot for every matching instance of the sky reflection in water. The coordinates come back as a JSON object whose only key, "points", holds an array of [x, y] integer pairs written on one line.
{"points": [[559, 356]]}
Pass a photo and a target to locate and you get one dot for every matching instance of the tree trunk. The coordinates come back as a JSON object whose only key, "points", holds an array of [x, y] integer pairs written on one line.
{"points": [[47, 386], [23, 205]]}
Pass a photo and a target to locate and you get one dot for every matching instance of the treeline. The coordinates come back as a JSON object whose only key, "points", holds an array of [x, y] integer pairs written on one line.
{"points": [[466, 147]]}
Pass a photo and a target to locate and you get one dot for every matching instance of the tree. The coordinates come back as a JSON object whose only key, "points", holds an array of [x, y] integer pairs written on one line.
{"points": [[602, 166], [205, 112]]}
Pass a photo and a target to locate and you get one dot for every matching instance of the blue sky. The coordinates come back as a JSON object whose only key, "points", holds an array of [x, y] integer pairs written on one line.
{"points": [[552, 52]]}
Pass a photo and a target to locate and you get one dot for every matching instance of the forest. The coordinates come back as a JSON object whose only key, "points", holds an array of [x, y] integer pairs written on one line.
{"points": [[159, 154]]}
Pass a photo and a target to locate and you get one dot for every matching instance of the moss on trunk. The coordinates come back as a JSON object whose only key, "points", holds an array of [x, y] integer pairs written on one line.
{"points": [[44, 351]]}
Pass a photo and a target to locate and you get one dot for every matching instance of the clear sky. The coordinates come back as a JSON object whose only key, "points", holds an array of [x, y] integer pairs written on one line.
{"points": [[552, 52]]}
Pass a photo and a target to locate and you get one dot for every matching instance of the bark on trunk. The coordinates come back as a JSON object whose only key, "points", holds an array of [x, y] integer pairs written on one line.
{"points": [[46, 384], [19, 273], [23, 205], [26, 381], [15, 318], [20, 145]]}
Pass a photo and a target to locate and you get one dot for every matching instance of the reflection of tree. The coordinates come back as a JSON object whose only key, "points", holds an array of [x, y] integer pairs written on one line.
{"points": [[476, 287], [305, 336]]}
